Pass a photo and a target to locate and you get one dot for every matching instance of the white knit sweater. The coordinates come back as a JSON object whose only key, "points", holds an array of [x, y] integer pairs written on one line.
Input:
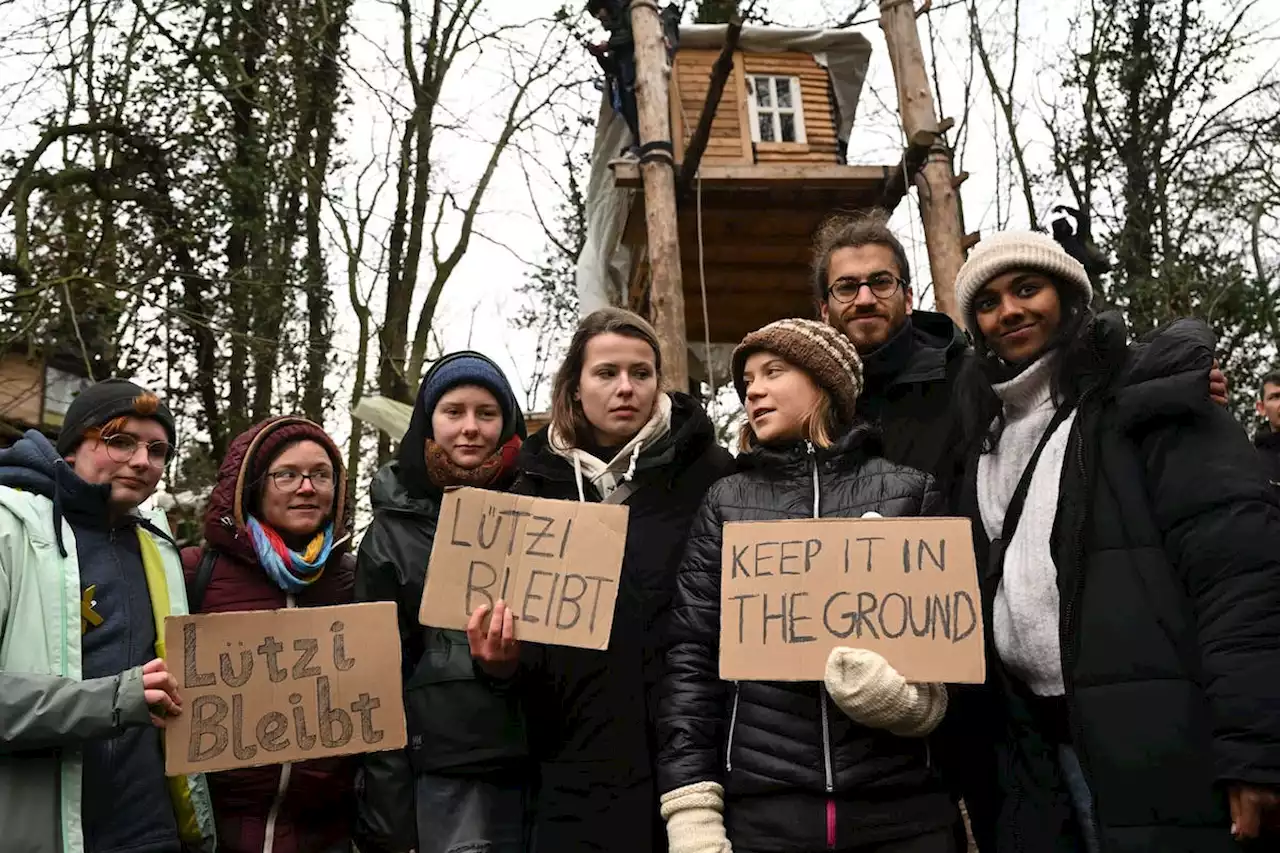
{"points": [[1027, 604]]}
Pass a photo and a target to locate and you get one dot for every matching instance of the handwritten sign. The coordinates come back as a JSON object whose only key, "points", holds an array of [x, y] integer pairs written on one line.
{"points": [[791, 591], [270, 686], [555, 563]]}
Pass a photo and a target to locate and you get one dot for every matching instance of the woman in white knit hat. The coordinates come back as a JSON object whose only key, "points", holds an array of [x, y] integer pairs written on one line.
{"points": [[801, 767], [1130, 555]]}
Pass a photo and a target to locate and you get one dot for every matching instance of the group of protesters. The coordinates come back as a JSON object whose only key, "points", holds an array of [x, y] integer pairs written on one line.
{"points": [[1128, 550]]}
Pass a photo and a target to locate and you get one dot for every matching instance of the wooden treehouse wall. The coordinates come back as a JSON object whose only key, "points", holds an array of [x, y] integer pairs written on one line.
{"points": [[730, 141]]}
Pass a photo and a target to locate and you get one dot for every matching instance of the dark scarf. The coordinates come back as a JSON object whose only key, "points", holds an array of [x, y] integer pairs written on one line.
{"points": [[494, 472], [882, 364]]}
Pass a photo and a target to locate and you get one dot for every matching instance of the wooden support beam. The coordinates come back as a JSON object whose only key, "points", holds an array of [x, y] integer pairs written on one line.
{"points": [[852, 179], [939, 203], [653, 103], [913, 158], [719, 76]]}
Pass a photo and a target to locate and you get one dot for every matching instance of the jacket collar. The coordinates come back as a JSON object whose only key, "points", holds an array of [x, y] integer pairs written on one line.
{"points": [[849, 451]]}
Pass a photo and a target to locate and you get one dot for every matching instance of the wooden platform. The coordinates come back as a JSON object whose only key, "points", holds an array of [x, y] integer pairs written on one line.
{"points": [[758, 223]]}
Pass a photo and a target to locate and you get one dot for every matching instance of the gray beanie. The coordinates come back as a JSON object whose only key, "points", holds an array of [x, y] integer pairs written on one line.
{"points": [[1016, 250]]}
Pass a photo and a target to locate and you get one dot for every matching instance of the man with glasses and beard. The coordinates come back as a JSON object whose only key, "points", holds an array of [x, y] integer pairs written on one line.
{"points": [[86, 579], [910, 358]]}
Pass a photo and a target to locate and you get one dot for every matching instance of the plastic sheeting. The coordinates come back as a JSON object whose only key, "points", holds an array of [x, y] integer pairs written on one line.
{"points": [[605, 263]]}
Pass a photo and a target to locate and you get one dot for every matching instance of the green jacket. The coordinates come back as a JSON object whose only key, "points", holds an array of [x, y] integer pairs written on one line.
{"points": [[46, 709]]}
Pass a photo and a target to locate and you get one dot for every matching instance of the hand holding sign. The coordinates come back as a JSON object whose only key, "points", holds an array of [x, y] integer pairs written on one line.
{"points": [[160, 692], [906, 588], [494, 645], [267, 687], [556, 564]]}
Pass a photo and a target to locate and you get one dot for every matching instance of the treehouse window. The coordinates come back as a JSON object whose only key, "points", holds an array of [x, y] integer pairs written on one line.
{"points": [[776, 111]]}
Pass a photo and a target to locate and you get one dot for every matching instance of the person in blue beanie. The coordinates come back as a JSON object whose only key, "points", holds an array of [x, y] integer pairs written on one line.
{"points": [[462, 782]]}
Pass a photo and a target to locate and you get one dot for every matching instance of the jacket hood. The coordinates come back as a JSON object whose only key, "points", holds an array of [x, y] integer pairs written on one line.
{"points": [[1267, 439], [225, 517], [31, 464], [919, 352], [411, 454], [849, 451], [691, 434], [1166, 374], [388, 492]]}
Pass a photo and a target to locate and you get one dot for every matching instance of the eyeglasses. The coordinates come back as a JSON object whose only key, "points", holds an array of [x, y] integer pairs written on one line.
{"points": [[882, 284], [290, 481], [121, 447]]}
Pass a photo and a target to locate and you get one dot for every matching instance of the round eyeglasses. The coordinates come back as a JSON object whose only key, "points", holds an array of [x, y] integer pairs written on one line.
{"points": [[121, 448], [883, 285]]}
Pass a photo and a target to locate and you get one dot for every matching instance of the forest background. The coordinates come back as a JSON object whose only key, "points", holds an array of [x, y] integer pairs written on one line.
{"points": [[270, 206]]}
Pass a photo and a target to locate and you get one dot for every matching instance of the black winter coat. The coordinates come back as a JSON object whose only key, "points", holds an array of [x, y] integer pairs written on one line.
{"points": [[1167, 545], [1268, 444], [909, 393], [764, 741], [458, 722], [591, 713]]}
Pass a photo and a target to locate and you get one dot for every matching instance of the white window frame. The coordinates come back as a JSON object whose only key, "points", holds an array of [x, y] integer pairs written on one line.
{"points": [[796, 110]]}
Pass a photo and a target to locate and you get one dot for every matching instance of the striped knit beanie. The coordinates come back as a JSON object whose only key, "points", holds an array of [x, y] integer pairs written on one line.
{"points": [[817, 348], [1016, 250]]}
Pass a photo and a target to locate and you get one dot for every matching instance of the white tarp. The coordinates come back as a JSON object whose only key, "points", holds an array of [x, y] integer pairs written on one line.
{"points": [[604, 263]]}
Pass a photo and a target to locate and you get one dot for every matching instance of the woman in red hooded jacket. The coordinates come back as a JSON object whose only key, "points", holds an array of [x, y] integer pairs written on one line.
{"points": [[276, 537]]}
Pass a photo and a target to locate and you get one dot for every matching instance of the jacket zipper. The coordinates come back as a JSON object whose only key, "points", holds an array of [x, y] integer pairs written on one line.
{"points": [[733, 722], [273, 814], [822, 690]]}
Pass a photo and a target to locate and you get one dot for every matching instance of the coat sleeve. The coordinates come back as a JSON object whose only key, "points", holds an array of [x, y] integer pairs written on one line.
{"points": [[1221, 522], [385, 814], [692, 699], [45, 711]]}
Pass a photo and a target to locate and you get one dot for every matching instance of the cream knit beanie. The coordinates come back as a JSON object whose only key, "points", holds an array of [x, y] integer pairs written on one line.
{"points": [[1016, 250]]}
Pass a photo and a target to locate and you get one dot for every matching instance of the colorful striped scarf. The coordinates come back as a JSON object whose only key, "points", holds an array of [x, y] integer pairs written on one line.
{"points": [[292, 571]]}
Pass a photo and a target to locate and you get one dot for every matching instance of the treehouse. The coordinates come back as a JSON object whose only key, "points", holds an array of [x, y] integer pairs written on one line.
{"points": [[35, 391], [760, 161]]}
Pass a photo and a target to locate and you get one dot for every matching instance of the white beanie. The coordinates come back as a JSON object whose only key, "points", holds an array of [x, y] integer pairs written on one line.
{"points": [[1016, 250]]}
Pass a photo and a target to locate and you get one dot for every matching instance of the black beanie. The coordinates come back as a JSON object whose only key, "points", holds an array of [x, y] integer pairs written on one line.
{"points": [[102, 402]]}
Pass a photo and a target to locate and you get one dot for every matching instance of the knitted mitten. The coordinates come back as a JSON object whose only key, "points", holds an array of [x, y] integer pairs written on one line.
{"points": [[871, 692], [695, 819]]}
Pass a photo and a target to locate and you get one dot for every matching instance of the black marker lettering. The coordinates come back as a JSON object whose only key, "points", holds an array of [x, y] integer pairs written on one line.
{"points": [[207, 714], [784, 556], [826, 618], [539, 536], [781, 616], [737, 564], [742, 613], [529, 596], [812, 548], [229, 677], [330, 715], [271, 649], [566, 598], [191, 676], [792, 619], [870, 540], [365, 706], [482, 588], [961, 595], [341, 662], [884, 605], [238, 749], [595, 603], [564, 542], [515, 515], [270, 731], [453, 534], [939, 559], [480, 529], [763, 558], [308, 647], [305, 741], [865, 610]]}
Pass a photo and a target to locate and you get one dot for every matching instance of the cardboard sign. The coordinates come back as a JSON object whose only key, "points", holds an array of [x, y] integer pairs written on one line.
{"points": [[907, 588], [555, 563], [270, 686]]}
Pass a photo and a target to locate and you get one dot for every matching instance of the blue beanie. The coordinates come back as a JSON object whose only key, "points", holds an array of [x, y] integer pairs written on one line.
{"points": [[467, 368]]}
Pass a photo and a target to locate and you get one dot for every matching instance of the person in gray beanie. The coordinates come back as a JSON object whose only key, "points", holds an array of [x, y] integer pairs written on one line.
{"points": [[839, 764], [1130, 578]]}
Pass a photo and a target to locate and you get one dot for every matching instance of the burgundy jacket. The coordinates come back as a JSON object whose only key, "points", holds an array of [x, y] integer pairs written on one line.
{"points": [[309, 805]]}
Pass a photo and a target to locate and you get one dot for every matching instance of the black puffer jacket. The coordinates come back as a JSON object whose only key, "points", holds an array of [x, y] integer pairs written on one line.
{"points": [[591, 713], [910, 395], [458, 723], [1268, 444], [764, 741], [1167, 545]]}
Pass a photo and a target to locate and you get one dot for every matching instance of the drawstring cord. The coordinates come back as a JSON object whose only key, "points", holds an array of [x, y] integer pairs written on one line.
{"points": [[577, 476], [816, 501]]}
